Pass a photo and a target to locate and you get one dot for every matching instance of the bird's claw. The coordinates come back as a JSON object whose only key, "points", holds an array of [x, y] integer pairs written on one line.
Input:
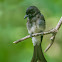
{"points": [[42, 33], [31, 35]]}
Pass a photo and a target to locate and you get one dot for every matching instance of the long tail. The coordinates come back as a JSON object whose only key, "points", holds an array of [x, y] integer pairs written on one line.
{"points": [[38, 54]]}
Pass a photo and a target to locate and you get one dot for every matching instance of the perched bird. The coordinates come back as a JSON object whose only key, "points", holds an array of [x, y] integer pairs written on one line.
{"points": [[35, 24]]}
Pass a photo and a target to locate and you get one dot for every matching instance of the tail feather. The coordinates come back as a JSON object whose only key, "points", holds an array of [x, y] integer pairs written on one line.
{"points": [[34, 58], [38, 54]]}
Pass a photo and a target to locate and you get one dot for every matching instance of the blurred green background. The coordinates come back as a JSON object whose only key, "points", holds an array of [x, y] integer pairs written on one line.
{"points": [[13, 27]]}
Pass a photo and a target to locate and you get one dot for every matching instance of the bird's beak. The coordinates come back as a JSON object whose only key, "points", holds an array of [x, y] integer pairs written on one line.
{"points": [[25, 16]]}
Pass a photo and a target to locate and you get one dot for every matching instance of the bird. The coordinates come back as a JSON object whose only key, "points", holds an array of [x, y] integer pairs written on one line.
{"points": [[36, 24]]}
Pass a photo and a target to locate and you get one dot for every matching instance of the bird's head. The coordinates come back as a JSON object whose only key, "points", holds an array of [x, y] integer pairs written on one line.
{"points": [[31, 12]]}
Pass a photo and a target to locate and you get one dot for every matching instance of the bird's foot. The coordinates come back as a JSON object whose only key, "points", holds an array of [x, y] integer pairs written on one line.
{"points": [[31, 35], [42, 33]]}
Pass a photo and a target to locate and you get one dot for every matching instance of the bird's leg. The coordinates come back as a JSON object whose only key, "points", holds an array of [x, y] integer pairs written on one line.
{"points": [[31, 35], [42, 33]]}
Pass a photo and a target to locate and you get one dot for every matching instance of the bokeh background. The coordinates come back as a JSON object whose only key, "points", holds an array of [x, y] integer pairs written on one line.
{"points": [[13, 27]]}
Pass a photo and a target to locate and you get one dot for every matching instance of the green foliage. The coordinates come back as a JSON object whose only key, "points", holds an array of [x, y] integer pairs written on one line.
{"points": [[13, 27]]}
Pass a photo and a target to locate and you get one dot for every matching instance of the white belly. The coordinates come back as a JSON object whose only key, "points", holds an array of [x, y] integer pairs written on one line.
{"points": [[36, 40], [35, 29]]}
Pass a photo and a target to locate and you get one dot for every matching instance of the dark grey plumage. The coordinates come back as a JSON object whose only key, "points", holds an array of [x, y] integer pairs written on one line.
{"points": [[35, 24]]}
